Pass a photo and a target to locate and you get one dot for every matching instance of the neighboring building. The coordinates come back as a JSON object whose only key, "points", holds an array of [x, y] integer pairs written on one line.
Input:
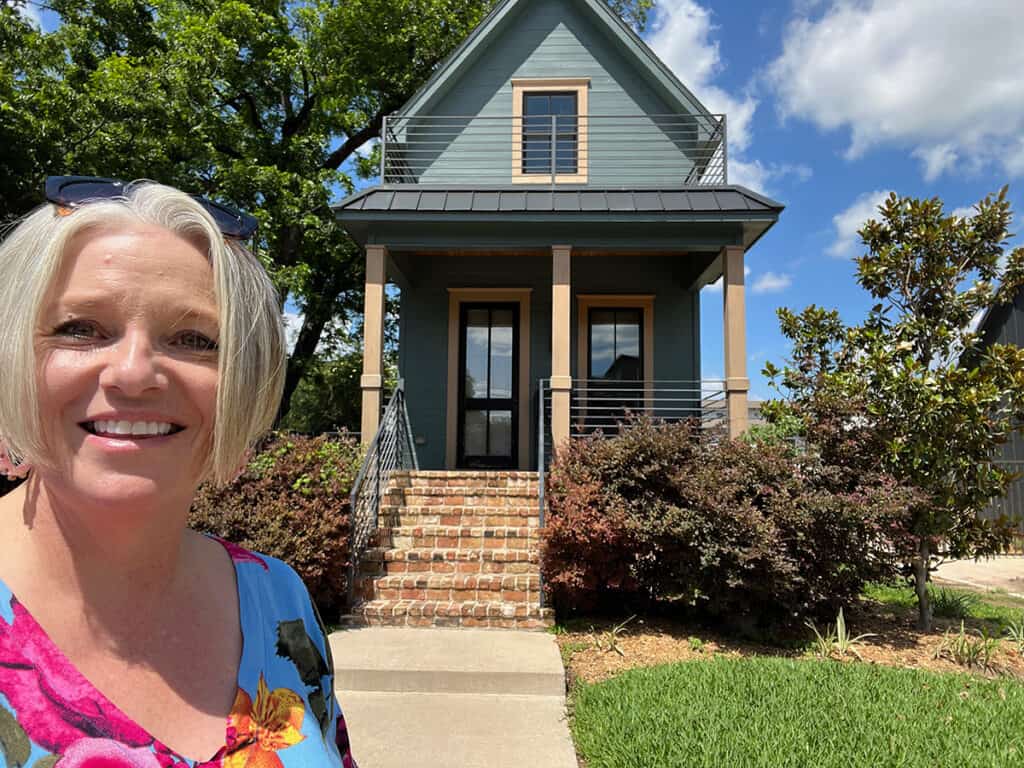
{"points": [[551, 203], [1004, 324]]}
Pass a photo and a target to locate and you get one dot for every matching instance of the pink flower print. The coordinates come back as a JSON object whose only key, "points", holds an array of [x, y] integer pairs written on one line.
{"points": [[55, 705], [240, 554], [104, 753]]}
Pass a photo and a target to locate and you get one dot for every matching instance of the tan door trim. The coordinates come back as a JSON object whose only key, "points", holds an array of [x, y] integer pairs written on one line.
{"points": [[457, 296]]}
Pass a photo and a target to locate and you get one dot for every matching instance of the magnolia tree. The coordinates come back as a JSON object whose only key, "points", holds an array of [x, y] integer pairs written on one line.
{"points": [[911, 391]]}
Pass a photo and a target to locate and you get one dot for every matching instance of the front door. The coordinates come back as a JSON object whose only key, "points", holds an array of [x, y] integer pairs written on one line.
{"points": [[488, 391]]}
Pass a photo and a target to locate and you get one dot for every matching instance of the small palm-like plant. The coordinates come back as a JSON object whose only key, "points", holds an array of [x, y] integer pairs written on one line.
{"points": [[974, 649], [953, 603], [609, 641], [836, 640], [1015, 633]]}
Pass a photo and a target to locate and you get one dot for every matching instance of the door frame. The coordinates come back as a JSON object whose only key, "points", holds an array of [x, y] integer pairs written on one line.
{"points": [[456, 297], [513, 457]]}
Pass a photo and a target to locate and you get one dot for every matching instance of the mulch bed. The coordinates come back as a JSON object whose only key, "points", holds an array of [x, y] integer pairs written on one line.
{"points": [[649, 642]]}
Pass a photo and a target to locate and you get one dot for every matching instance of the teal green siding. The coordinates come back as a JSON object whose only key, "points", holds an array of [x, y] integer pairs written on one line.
{"points": [[550, 38], [423, 342]]}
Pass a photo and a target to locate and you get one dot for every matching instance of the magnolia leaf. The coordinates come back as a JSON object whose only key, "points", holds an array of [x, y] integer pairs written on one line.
{"points": [[46, 762], [13, 741]]}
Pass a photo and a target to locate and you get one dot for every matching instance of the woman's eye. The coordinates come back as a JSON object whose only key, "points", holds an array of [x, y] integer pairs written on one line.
{"points": [[196, 342], [76, 329]]}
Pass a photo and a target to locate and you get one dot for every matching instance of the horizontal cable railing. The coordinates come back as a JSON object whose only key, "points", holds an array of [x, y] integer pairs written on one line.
{"points": [[678, 150]]}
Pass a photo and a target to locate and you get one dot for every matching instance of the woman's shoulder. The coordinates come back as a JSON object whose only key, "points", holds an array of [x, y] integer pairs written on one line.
{"points": [[266, 569]]}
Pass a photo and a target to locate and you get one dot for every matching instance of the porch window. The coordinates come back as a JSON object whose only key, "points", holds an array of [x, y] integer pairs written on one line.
{"points": [[616, 348], [550, 132]]}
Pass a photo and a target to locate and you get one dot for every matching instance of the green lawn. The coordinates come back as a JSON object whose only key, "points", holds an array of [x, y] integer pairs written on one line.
{"points": [[997, 609], [734, 713]]}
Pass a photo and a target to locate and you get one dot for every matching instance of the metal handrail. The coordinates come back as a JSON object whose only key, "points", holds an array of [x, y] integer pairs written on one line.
{"points": [[392, 448], [687, 150]]}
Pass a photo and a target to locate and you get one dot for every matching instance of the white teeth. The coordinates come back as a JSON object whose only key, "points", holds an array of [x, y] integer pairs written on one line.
{"points": [[131, 428]]}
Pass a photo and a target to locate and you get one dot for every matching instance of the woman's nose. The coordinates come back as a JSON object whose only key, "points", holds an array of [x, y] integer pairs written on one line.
{"points": [[132, 367]]}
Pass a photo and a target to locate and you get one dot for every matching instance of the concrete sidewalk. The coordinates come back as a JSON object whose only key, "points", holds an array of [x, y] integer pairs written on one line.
{"points": [[471, 698], [1004, 572]]}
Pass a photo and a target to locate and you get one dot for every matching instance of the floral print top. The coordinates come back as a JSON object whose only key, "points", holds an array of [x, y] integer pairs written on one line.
{"points": [[285, 713]]}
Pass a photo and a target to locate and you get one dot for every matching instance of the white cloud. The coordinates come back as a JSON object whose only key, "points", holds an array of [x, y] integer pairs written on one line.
{"points": [[964, 212], [26, 10], [946, 82], [849, 221], [770, 282], [682, 36], [292, 326], [716, 287]]}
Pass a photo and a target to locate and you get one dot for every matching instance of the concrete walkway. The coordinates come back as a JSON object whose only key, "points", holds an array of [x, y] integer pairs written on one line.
{"points": [[462, 697], [1005, 572]]}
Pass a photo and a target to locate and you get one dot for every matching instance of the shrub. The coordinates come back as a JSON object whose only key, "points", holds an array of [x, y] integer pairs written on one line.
{"points": [[748, 532], [291, 502]]}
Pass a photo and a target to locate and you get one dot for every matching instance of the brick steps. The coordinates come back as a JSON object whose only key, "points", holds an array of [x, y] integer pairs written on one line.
{"points": [[451, 613], [454, 549]]}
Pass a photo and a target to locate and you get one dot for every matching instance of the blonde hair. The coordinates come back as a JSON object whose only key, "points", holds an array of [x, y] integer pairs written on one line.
{"points": [[251, 342]]}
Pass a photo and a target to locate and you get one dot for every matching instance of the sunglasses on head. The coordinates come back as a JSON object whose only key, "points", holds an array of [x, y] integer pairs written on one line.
{"points": [[70, 192]]}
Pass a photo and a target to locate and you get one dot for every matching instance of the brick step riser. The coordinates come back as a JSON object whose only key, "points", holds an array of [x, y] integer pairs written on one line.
{"points": [[425, 541], [427, 567], [531, 599], [456, 520], [450, 622]]}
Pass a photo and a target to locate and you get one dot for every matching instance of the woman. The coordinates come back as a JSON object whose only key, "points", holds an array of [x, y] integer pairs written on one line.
{"points": [[142, 353]]}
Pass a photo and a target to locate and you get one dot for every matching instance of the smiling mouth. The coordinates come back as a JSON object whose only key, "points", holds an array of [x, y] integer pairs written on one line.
{"points": [[135, 430]]}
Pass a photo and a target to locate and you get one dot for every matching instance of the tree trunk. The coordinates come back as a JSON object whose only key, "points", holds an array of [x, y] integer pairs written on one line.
{"points": [[313, 323], [924, 608]]}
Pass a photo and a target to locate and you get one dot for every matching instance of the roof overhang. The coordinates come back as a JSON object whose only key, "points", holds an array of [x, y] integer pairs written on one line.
{"points": [[406, 217]]}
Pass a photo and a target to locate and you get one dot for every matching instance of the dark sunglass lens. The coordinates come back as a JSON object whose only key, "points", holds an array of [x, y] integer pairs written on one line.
{"points": [[231, 222], [74, 192]]}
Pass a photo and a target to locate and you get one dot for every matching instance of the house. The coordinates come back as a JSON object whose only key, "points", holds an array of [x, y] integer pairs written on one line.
{"points": [[1004, 324], [551, 203]]}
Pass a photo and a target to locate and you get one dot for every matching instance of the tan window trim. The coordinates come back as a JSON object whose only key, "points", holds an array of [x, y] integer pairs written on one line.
{"points": [[520, 86], [584, 303], [457, 296]]}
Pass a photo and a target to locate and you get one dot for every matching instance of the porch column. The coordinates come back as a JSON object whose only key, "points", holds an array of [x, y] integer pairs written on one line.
{"points": [[561, 380], [736, 382], [372, 381]]}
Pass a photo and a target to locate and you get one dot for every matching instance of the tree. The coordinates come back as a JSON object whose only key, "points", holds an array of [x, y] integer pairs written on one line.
{"points": [[264, 104], [910, 390]]}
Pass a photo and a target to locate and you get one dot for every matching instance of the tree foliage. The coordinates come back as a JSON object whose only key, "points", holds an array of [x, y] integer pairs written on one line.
{"points": [[264, 104], [911, 390]]}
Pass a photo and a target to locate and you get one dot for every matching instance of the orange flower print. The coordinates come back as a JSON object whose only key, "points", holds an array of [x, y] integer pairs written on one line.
{"points": [[257, 731]]}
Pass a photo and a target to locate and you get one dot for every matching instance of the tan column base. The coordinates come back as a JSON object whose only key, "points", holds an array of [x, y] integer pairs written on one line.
{"points": [[372, 387], [736, 406], [560, 398]]}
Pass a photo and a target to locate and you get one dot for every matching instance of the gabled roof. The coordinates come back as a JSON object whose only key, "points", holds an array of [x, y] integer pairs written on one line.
{"points": [[452, 67]]}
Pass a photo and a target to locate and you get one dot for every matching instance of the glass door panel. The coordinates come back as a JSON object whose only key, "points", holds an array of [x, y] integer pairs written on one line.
{"points": [[488, 398], [616, 367]]}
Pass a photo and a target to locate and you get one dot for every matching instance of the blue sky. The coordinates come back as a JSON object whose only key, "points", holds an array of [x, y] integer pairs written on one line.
{"points": [[830, 105]]}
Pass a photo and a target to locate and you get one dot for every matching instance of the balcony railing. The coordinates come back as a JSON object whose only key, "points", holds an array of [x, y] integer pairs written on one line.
{"points": [[608, 151]]}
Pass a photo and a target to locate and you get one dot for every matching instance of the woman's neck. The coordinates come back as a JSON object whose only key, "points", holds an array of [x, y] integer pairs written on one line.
{"points": [[125, 562]]}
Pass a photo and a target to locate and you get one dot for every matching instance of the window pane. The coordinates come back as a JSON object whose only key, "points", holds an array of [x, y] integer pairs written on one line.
{"points": [[602, 342], [627, 346], [501, 353], [565, 155], [477, 322], [563, 104], [476, 433], [536, 156], [501, 434], [536, 104]]}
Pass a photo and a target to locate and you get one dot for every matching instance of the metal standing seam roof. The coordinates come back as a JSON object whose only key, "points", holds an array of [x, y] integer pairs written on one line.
{"points": [[729, 199]]}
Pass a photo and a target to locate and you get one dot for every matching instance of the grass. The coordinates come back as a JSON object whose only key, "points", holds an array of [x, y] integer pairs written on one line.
{"points": [[998, 609], [788, 714]]}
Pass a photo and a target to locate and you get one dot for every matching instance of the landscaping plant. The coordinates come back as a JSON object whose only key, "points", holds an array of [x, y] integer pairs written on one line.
{"points": [[911, 391], [753, 535], [291, 502]]}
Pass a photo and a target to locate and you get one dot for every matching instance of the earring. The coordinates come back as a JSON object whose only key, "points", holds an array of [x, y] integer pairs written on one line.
{"points": [[7, 466]]}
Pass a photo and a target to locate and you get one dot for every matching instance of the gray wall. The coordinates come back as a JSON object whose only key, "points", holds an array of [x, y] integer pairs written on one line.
{"points": [[423, 342], [552, 38]]}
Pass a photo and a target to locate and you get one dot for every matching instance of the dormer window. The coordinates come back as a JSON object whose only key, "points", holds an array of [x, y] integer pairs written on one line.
{"points": [[549, 130]]}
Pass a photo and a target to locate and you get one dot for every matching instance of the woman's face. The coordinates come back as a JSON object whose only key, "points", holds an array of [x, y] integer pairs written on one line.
{"points": [[127, 357]]}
